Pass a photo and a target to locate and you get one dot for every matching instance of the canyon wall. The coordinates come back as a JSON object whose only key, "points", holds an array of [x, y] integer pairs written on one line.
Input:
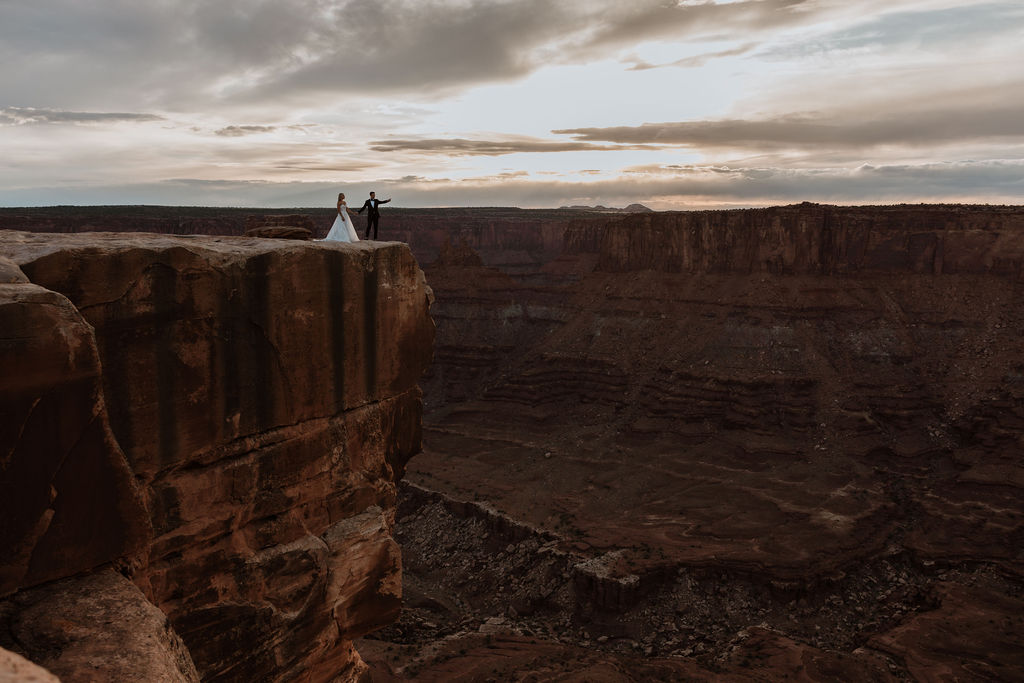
{"points": [[883, 340], [809, 239], [808, 419], [223, 420]]}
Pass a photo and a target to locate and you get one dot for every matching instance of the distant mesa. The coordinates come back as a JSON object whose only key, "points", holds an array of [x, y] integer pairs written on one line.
{"points": [[632, 208]]}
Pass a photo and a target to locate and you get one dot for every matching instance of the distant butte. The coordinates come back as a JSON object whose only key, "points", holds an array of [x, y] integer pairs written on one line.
{"points": [[632, 208]]}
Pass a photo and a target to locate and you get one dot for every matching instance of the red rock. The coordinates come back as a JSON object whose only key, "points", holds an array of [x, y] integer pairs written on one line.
{"points": [[264, 393], [758, 360], [99, 628], [783, 397], [809, 238], [512, 234], [761, 654], [67, 497], [973, 634], [289, 221], [284, 232], [506, 657], [215, 339], [16, 669], [10, 273], [461, 255]]}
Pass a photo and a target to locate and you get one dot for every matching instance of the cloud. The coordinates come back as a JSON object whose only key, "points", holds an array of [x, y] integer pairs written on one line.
{"points": [[21, 116], [193, 51], [436, 46], [629, 23], [681, 187], [239, 131], [823, 86], [920, 29], [945, 120], [321, 168], [997, 182], [232, 53], [506, 145], [696, 60]]}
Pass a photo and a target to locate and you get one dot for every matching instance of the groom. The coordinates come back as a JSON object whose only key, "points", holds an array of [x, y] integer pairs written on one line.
{"points": [[374, 216]]}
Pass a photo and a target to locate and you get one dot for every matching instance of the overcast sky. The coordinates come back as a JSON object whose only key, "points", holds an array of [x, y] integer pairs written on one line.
{"points": [[532, 103]]}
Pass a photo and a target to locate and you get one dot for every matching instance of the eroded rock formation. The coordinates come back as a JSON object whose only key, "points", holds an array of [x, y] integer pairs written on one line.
{"points": [[804, 419], [16, 669], [98, 627], [70, 502], [223, 419], [745, 349]]}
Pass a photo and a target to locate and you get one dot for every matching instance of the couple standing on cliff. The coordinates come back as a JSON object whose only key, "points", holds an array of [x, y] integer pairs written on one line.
{"points": [[344, 231]]}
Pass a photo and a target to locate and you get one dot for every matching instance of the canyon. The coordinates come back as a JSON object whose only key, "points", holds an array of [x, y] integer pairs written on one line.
{"points": [[742, 445], [778, 440]]}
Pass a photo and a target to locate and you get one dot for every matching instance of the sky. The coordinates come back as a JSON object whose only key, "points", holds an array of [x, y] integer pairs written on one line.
{"points": [[675, 104]]}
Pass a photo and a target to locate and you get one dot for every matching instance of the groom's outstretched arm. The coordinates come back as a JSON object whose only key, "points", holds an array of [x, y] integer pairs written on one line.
{"points": [[384, 201], [365, 204]]}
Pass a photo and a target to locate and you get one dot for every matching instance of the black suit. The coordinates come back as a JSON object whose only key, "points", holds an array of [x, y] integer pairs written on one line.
{"points": [[373, 216]]}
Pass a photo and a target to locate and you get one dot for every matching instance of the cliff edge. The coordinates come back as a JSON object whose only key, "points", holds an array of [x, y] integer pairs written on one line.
{"points": [[223, 421]]}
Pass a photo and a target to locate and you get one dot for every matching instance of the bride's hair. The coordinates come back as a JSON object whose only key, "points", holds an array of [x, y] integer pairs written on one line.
{"points": [[341, 195]]}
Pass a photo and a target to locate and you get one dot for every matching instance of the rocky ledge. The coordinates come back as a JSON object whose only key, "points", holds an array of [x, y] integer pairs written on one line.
{"points": [[201, 439]]}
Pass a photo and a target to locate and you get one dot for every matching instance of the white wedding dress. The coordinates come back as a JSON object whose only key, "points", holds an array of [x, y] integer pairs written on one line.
{"points": [[342, 230]]}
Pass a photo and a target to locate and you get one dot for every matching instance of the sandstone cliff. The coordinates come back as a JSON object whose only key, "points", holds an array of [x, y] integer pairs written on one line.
{"points": [[809, 238], [222, 419]]}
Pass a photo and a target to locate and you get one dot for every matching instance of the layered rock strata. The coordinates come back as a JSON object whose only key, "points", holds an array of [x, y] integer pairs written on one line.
{"points": [[224, 419], [808, 417], [740, 352], [809, 238], [98, 627]]}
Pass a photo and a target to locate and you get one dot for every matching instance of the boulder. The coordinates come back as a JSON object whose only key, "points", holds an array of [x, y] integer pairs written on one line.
{"points": [[16, 669], [99, 628], [283, 232]]}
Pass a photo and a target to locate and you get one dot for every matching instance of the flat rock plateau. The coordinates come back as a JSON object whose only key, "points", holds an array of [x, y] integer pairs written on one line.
{"points": [[764, 444]]}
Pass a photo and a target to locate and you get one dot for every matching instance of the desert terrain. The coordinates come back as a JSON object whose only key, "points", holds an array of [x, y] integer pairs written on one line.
{"points": [[763, 444]]}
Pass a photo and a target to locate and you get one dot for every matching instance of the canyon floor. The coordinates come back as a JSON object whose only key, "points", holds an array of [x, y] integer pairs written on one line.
{"points": [[745, 445]]}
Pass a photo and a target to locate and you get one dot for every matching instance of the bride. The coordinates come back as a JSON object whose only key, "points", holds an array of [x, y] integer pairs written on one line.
{"points": [[342, 230]]}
